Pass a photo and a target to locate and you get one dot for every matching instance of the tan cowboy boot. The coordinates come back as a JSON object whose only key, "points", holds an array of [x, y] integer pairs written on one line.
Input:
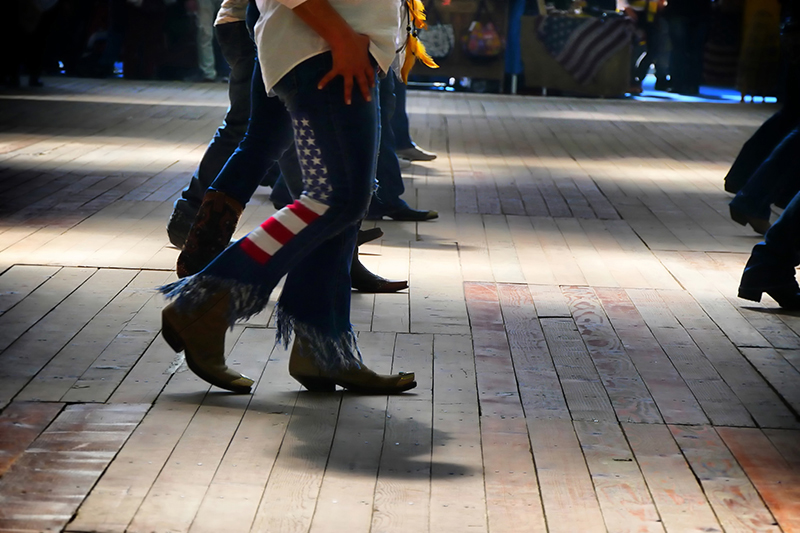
{"points": [[304, 369], [200, 332]]}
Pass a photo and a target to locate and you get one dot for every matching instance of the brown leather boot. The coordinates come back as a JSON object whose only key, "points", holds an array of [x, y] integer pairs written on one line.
{"points": [[304, 369], [211, 232], [200, 332]]}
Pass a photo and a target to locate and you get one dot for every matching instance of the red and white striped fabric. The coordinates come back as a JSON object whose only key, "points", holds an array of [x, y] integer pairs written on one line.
{"points": [[265, 241]]}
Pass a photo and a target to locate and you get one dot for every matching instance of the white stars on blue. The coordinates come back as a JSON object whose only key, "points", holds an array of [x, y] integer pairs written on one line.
{"points": [[315, 173]]}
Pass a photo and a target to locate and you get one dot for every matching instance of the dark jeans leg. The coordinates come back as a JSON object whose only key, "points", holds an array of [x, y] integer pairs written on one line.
{"points": [[698, 31], [773, 261], [389, 177], [240, 53], [777, 176], [289, 185], [678, 34], [399, 121], [758, 148], [269, 135]]}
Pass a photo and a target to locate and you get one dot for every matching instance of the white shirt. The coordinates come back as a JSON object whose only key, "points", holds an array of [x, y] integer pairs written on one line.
{"points": [[284, 40], [231, 11]]}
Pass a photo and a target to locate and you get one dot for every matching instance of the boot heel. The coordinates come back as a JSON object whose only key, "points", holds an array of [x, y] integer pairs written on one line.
{"points": [[171, 336], [754, 295], [316, 384]]}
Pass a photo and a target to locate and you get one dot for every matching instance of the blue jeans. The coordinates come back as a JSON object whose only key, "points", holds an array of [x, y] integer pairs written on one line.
{"points": [[240, 53], [776, 177], [312, 240], [399, 120], [772, 262], [269, 135], [390, 179]]}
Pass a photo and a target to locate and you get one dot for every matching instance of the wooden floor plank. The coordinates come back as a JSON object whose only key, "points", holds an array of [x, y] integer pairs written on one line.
{"points": [[291, 493], [761, 401], [177, 493], [731, 495], [539, 387], [679, 498], [776, 481], [673, 397], [116, 499], [716, 398], [621, 490], [20, 424], [234, 493], [47, 483], [779, 373], [586, 397], [626, 390], [25, 314], [403, 485], [569, 499], [496, 380], [19, 281], [34, 349], [513, 501], [439, 306], [101, 347], [458, 498]]}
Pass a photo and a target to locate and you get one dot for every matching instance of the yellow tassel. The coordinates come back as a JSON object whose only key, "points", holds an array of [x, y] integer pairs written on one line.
{"points": [[414, 47], [416, 12]]}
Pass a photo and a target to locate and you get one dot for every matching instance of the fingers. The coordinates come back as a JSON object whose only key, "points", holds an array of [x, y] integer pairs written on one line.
{"points": [[326, 79], [348, 90], [365, 83], [364, 79]]}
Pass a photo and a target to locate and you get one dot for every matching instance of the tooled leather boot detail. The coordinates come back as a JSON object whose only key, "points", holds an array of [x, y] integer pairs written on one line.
{"points": [[211, 232]]}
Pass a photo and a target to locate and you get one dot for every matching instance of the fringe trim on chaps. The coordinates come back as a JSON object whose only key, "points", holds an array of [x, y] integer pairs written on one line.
{"points": [[330, 353], [246, 300]]}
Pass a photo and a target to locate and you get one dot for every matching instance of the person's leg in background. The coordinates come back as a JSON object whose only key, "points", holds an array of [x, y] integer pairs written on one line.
{"points": [[240, 53], [400, 125], [117, 24], [405, 147], [38, 40], [697, 32], [386, 200], [268, 137], [678, 30], [772, 263], [10, 49], [206, 13], [663, 67]]}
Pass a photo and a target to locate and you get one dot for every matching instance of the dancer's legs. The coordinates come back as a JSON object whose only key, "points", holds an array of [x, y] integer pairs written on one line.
{"points": [[337, 148]]}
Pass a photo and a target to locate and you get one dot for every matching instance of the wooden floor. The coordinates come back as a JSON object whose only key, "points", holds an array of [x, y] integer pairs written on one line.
{"points": [[583, 362]]}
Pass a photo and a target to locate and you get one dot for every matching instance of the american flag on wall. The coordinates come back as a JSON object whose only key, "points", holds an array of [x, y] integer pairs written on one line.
{"points": [[582, 44]]}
